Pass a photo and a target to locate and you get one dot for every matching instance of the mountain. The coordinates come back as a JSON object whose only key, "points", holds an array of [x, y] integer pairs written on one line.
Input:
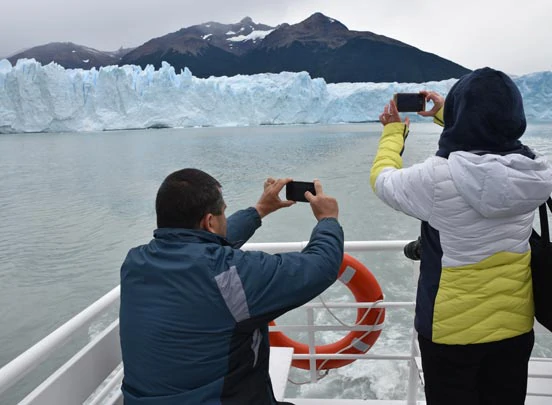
{"points": [[320, 45], [70, 55]]}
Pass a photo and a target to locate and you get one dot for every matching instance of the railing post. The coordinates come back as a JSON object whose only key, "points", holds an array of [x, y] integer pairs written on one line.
{"points": [[413, 368], [412, 372], [312, 345]]}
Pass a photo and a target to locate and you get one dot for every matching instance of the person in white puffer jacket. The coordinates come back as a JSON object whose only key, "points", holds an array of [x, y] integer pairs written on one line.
{"points": [[476, 199]]}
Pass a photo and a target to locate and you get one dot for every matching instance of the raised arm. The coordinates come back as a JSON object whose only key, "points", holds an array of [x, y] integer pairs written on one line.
{"points": [[277, 283], [408, 190]]}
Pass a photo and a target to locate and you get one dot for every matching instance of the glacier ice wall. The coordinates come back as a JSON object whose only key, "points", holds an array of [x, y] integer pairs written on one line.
{"points": [[36, 98]]}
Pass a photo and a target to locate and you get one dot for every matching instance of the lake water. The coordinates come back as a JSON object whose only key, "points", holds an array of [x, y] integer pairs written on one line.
{"points": [[73, 204]]}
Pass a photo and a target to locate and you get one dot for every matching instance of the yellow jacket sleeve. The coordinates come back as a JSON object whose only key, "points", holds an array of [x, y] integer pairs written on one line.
{"points": [[438, 118], [390, 147]]}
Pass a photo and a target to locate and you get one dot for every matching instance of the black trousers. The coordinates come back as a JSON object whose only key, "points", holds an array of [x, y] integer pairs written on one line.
{"points": [[479, 374]]}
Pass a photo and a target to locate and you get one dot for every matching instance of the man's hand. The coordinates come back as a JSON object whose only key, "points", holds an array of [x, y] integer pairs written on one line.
{"points": [[438, 103], [270, 200], [322, 205]]}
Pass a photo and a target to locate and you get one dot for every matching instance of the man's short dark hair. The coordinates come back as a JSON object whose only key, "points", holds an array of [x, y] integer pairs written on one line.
{"points": [[185, 197]]}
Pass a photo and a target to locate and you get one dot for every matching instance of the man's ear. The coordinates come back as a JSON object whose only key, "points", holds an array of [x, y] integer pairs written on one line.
{"points": [[206, 223]]}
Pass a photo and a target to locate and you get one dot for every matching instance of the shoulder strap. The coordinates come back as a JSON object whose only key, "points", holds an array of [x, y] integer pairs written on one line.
{"points": [[543, 214]]}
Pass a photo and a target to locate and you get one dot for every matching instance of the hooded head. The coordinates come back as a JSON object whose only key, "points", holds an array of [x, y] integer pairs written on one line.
{"points": [[483, 112]]}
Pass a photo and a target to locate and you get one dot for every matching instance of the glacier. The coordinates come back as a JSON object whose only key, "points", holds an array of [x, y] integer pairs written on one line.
{"points": [[50, 98]]}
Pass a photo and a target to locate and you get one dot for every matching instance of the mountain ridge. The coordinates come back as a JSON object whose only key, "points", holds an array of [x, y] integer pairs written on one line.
{"points": [[320, 45]]}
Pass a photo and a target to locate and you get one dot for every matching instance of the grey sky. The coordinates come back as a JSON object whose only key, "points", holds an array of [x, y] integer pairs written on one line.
{"points": [[513, 36]]}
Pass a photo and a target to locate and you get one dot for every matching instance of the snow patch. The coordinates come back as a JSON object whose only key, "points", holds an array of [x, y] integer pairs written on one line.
{"points": [[254, 35]]}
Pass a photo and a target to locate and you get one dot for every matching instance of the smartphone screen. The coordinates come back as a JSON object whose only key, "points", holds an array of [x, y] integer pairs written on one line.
{"points": [[409, 102], [295, 190]]}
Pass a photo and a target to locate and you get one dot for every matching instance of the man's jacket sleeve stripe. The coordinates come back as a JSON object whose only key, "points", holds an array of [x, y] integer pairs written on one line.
{"points": [[231, 289]]}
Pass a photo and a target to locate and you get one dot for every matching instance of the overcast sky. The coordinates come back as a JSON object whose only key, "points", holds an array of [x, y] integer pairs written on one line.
{"points": [[513, 36]]}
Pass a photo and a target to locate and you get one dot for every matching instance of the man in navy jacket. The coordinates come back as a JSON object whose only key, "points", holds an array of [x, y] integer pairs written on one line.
{"points": [[195, 308]]}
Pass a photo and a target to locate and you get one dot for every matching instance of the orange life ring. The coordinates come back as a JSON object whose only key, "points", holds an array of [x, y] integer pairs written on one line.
{"points": [[365, 288]]}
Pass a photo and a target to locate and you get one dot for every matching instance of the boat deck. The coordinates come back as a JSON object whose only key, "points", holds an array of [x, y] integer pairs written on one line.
{"points": [[539, 389]]}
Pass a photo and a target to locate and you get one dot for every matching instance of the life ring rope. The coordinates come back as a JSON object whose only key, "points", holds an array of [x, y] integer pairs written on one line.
{"points": [[357, 343]]}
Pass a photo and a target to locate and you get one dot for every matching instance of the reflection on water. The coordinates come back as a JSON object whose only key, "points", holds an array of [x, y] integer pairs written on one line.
{"points": [[73, 204]]}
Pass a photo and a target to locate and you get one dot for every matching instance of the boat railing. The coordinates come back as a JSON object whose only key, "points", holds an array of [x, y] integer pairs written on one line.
{"points": [[26, 362], [95, 370], [311, 328]]}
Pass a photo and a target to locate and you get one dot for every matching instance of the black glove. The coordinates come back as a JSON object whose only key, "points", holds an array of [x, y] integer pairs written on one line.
{"points": [[413, 250]]}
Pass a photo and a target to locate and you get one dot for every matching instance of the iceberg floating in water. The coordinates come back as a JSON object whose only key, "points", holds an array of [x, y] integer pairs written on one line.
{"points": [[36, 98]]}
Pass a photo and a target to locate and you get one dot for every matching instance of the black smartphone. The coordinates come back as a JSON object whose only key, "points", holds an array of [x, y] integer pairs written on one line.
{"points": [[295, 190], [409, 102]]}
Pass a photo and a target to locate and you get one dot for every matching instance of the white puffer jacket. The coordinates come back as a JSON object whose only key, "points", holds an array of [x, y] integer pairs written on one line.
{"points": [[483, 209]]}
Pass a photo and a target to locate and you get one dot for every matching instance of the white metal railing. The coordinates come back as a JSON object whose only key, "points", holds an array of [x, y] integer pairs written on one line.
{"points": [[310, 327], [350, 246], [18, 368]]}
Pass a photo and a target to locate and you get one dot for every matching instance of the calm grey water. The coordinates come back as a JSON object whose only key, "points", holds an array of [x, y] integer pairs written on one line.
{"points": [[73, 204]]}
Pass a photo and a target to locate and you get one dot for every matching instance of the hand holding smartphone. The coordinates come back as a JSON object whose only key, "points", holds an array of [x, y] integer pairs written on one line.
{"points": [[295, 190], [322, 205], [410, 102]]}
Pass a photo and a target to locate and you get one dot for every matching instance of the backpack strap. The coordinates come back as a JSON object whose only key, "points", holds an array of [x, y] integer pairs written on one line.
{"points": [[543, 214]]}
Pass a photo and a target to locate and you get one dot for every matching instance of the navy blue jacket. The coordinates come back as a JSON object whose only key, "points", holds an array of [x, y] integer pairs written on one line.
{"points": [[195, 310]]}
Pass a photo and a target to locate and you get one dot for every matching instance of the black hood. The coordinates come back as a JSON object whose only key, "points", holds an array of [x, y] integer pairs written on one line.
{"points": [[483, 113]]}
